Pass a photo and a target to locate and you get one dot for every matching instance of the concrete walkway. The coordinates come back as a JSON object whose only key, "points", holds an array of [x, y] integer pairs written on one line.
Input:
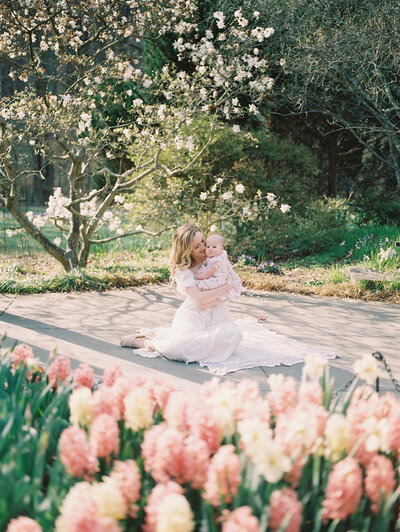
{"points": [[87, 327]]}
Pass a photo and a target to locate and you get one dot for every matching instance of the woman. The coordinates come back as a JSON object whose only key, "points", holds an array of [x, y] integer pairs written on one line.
{"points": [[203, 331]]}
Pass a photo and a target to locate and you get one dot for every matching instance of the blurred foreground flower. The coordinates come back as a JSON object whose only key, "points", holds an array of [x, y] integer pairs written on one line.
{"points": [[139, 455]]}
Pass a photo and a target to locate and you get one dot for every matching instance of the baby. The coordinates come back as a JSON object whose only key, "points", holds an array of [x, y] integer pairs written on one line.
{"points": [[208, 278]]}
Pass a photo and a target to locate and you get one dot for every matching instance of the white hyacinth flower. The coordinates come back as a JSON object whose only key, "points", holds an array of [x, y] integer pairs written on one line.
{"points": [[367, 369]]}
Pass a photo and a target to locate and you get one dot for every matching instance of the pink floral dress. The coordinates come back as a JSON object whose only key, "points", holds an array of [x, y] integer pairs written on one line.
{"points": [[220, 277]]}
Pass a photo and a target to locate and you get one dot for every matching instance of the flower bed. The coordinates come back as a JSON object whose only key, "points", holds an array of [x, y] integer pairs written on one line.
{"points": [[135, 454]]}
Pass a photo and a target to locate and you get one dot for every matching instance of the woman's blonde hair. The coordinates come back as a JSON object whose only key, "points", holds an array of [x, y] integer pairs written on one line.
{"points": [[181, 251]]}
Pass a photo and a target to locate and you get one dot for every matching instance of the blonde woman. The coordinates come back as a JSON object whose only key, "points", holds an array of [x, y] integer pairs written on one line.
{"points": [[202, 329]]}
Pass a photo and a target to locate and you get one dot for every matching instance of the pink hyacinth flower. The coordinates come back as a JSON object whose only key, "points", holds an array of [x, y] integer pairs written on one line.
{"points": [[195, 461], [84, 376], [202, 423], [394, 428], [158, 493], [111, 374], [310, 392], [106, 401], [159, 391], [343, 491], [359, 411], [127, 476], [75, 453], [80, 513], [169, 455], [380, 480], [23, 524], [162, 450], [283, 395], [241, 520], [104, 436], [223, 478], [120, 389], [20, 355], [59, 369], [283, 503]]}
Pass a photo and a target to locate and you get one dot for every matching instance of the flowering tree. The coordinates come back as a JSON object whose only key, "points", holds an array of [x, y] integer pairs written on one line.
{"points": [[70, 60]]}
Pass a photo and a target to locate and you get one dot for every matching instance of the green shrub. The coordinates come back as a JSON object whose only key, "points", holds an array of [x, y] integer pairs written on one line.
{"points": [[378, 210]]}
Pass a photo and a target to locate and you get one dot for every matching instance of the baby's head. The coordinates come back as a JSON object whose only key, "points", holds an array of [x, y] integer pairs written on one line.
{"points": [[214, 245]]}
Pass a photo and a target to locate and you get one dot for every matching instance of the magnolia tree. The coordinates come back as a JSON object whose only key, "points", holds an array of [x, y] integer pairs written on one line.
{"points": [[68, 57]]}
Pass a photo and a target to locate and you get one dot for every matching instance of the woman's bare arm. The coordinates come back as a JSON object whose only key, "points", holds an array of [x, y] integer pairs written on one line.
{"points": [[207, 296]]}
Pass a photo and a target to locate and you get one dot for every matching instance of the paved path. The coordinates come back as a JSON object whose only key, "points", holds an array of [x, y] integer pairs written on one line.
{"points": [[87, 328]]}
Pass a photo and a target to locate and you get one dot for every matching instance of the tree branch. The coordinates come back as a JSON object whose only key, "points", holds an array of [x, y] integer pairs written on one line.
{"points": [[130, 233]]}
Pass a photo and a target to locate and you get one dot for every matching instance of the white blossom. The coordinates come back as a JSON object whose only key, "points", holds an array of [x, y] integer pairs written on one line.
{"points": [[114, 224], [220, 19], [268, 32], [227, 195], [239, 188], [56, 206], [285, 207], [236, 128], [40, 221], [203, 195]]}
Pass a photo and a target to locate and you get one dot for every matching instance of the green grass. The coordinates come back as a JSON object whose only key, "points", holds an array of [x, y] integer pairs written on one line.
{"points": [[24, 243], [358, 243], [337, 274]]}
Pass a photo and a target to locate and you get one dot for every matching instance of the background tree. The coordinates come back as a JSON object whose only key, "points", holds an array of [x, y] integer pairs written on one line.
{"points": [[337, 88], [75, 59]]}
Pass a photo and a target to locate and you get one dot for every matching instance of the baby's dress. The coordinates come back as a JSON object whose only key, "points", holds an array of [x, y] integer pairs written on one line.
{"points": [[220, 277]]}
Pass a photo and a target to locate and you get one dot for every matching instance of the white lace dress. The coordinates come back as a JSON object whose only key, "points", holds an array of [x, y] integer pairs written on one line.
{"points": [[211, 338]]}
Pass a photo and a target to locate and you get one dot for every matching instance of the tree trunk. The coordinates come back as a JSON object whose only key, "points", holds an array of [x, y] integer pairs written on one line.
{"points": [[53, 250], [332, 160], [74, 193]]}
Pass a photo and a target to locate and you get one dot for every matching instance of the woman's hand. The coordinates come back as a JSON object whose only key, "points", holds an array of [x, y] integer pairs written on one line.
{"points": [[203, 297], [211, 270]]}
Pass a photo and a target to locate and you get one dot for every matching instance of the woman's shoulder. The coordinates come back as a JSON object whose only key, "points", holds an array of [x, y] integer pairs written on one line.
{"points": [[184, 274], [184, 279]]}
